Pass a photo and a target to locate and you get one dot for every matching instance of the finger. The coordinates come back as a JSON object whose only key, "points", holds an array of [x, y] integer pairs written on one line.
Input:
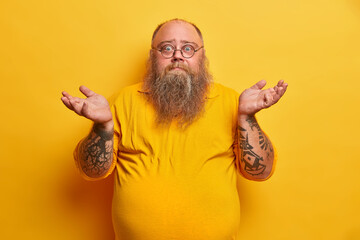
{"points": [[276, 89], [268, 100], [76, 105], [67, 103], [282, 89], [85, 111], [280, 93], [285, 87], [68, 96], [65, 94], [284, 84], [281, 82], [86, 91], [276, 97], [259, 85]]}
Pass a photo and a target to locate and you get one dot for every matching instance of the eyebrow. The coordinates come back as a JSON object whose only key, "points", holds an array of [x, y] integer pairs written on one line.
{"points": [[193, 43], [173, 40]]}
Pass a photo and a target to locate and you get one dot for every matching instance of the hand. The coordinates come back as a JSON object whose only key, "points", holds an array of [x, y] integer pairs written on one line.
{"points": [[95, 107], [254, 99]]}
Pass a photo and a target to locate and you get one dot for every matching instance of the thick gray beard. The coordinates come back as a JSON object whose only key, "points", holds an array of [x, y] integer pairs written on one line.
{"points": [[177, 95]]}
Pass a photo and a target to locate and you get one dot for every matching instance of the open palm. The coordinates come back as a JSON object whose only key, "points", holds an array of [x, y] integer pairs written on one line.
{"points": [[254, 98], [94, 107]]}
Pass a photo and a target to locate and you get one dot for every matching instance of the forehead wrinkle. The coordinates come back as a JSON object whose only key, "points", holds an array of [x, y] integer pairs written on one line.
{"points": [[166, 41], [174, 41]]}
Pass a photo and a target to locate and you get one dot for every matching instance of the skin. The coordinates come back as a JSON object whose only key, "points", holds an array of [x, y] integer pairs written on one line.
{"points": [[95, 150], [177, 33], [254, 152]]}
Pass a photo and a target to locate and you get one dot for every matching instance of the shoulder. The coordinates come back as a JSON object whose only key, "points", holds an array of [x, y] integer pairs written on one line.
{"points": [[126, 93], [218, 89], [131, 89]]}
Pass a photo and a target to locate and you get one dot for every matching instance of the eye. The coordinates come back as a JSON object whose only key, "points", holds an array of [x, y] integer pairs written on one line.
{"points": [[188, 48], [167, 48]]}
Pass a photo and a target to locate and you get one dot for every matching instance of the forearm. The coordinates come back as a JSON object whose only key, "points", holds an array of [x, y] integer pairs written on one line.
{"points": [[256, 153], [95, 152]]}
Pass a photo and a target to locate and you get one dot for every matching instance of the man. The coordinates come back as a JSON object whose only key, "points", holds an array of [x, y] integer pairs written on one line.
{"points": [[176, 141]]}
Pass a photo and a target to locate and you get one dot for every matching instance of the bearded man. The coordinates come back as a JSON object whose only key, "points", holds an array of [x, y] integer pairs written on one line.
{"points": [[177, 141]]}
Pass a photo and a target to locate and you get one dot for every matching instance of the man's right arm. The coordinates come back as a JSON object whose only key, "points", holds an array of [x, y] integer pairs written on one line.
{"points": [[94, 154]]}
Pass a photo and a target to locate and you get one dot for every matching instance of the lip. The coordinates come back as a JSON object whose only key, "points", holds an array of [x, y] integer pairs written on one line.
{"points": [[177, 68]]}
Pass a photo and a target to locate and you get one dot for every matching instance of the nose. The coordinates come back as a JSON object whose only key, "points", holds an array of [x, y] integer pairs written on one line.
{"points": [[177, 56]]}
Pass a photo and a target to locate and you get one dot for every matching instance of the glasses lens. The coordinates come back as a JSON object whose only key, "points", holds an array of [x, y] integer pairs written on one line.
{"points": [[167, 51], [187, 51]]}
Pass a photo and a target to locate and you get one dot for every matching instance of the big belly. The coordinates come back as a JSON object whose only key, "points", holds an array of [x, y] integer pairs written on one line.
{"points": [[165, 208]]}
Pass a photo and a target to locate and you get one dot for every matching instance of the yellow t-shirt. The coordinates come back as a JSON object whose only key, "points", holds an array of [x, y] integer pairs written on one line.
{"points": [[172, 183]]}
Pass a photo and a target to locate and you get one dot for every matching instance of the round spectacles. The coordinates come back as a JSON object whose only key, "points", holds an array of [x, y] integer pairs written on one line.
{"points": [[168, 51]]}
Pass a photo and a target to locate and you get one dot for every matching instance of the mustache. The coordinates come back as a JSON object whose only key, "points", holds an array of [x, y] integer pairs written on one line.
{"points": [[177, 95], [176, 65]]}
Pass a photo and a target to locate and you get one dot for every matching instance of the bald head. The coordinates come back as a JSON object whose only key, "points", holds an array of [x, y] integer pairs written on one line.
{"points": [[178, 21]]}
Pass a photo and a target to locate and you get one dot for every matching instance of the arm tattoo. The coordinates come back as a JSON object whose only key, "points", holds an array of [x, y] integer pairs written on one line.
{"points": [[96, 152], [263, 140], [253, 165]]}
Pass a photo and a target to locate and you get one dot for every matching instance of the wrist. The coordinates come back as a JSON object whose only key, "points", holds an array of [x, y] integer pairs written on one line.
{"points": [[244, 117], [106, 126]]}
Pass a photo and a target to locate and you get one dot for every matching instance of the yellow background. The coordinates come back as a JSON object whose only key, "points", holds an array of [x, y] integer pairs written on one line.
{"points": [[50, 46]]}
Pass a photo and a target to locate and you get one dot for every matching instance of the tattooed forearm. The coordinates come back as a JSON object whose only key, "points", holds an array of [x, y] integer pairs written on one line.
{"points": [[255, 149], [96, 152], [252, 161], [263, 140]]}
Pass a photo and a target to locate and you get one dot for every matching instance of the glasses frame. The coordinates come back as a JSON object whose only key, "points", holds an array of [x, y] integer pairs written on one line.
{"points": [[175, 49]]}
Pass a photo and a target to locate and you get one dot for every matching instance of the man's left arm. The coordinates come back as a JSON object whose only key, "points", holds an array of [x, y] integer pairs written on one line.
{"points": [[255, 153]]}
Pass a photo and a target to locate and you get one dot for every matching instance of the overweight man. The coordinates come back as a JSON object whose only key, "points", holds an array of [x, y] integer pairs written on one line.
{"points": [[176, 142]]}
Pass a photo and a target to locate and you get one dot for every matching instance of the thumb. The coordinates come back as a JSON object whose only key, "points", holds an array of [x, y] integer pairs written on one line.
{"points": [[86, 91], [259, 85]]}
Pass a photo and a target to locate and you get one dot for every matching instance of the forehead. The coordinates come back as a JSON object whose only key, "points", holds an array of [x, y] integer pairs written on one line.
{"points": [[177, 31]]}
